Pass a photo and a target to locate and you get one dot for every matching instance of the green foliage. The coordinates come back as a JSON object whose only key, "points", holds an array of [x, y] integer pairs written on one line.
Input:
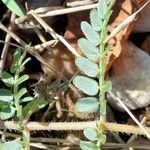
{"points": [[7, 79], [102, 8], [106, 86], [20, 94], [14, 7], [13, 145], [94, 65], [91, 51], [6, 95], [12, 97], [27, 99], [103, 138], [7, 112], [91, 134], [33, 106], [16, 57], [87, 66], [22, 79], [84, 145], [87, 105], [93, 37], [95, 20]]}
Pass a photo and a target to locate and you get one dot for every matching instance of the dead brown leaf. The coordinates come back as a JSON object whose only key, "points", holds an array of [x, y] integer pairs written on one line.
{"points": [[143, 23], [146, 45], [121, 10]]}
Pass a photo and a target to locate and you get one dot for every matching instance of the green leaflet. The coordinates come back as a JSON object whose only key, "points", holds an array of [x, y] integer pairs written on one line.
{"points": [[103, 138], [25, 61], [91, 134], [102, 8], [33, 106], [14, 7], [87, 85], [16, 57], [85, 145], [89, 49], [22, 79], [90, 33], [10, 105], [5, 95], [7, 112], [27, 99], [13, 145], [20, 93], [3, 105], [7, 79], [87, 66], [107, 86], [96, 21], [87, 105]]}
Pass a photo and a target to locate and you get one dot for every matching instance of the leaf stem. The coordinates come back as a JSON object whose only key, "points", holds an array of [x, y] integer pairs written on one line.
{"points": [[15, 92], [22, 127], [102, 68]]}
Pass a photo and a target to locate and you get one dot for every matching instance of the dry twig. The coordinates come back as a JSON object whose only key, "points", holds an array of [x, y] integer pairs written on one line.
{"points": [[53, 33], [6, 45]]}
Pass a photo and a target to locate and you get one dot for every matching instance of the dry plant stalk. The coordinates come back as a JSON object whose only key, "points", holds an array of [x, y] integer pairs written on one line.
{"points": [[59, 126]]}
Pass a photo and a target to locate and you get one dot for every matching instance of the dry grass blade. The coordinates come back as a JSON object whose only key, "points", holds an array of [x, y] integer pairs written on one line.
{"points": [[79, 3], [31, 50], [59, 12], [131, 115], [53, 33]]}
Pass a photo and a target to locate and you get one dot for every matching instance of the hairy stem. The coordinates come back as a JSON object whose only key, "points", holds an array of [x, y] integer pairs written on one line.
{"points": [[102, 65], [112, 127]]}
